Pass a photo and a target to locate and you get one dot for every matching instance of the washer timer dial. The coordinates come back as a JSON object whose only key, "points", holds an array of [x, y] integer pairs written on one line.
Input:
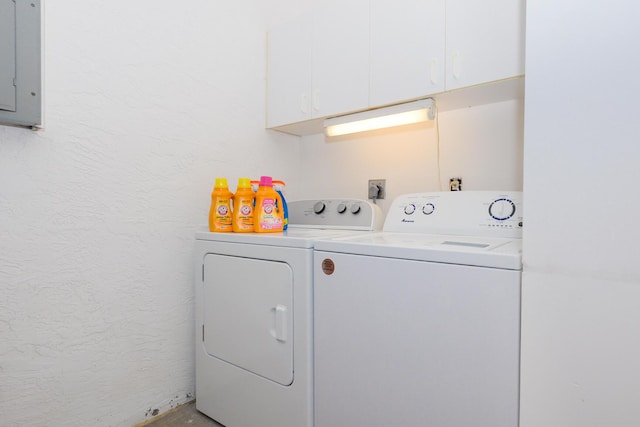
{"points": [[409, 209], [502, 209], [428, 209]]}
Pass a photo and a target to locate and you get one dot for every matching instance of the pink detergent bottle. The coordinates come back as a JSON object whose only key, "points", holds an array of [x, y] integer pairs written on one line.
{"points": [[269, 213]]}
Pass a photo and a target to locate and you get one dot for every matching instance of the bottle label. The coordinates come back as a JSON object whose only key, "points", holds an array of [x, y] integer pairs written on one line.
{"points": [[269, 218], [222, 215], [244, 216]]}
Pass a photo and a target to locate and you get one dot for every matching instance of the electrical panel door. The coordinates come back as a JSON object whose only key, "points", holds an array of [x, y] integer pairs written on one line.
{"points": [[7, 55]]}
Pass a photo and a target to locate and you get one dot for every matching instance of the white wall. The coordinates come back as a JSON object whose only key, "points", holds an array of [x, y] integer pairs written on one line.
{"points": [[581, 286], [146, 103], [481, 144]]}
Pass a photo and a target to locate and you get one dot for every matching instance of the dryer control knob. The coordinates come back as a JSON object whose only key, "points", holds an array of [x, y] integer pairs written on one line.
{"points": [[342, 208], [355, 209], [318, 208], [410, 209]]}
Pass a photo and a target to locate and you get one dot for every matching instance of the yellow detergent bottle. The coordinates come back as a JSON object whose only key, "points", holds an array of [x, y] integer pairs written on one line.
{"points": [[268, 216], [243, 202], [220, 212]]}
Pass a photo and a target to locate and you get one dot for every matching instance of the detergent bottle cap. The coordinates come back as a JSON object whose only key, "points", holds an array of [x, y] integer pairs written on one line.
{"points": [[266, 181], [244, 183], [221, 183]]}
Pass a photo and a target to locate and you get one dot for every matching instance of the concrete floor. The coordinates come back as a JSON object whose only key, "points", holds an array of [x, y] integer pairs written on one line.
{"points": [[184, 415]]}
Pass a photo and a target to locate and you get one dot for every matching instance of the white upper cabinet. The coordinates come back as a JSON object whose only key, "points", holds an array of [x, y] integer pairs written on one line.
{"points": [[289, 68], [351, 55], [485, 41], [407, 49], [340, 71], [318, 65]]}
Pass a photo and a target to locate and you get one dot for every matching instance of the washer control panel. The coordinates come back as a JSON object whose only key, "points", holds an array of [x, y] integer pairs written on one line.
{"points": [[476, 213], [349, 214]]}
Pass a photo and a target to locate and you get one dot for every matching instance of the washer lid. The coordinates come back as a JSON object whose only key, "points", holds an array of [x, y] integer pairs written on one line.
{"points": [[464, 250]]}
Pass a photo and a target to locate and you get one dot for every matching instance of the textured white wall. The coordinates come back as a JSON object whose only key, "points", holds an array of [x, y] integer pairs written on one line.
{"points": [[146, 103]]}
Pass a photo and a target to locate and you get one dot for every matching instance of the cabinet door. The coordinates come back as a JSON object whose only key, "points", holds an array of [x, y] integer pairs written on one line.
{"points": [[485, 41], [407, 49], [340, 72], [289, 73]]}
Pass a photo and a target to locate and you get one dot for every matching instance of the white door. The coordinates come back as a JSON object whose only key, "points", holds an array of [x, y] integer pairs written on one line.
{"points": [[409, 343], [247, 312]]}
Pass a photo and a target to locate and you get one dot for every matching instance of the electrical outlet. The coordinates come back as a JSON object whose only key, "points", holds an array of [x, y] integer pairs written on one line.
{"points": [[377, 189], [455, 184]]}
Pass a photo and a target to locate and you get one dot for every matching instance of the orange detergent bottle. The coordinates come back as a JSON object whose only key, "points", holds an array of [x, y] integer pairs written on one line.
{"points": [[220, 212], [269, 212], [243, 202]]}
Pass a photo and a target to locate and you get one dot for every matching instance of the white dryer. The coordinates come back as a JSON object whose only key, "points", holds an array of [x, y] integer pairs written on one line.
{"points": [[419, 325], [254, 315]]}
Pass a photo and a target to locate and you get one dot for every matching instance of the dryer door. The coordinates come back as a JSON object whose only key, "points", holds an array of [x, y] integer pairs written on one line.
{"points": [[248, 319]]}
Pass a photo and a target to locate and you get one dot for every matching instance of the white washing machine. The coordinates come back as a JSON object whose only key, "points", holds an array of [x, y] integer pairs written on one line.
{"points": [[254, 315], [419, 325]]}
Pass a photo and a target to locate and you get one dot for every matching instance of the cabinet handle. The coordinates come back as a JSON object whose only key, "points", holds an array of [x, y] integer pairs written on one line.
{"points": [[304, 103], [455, 64], [433, 71], [316, 101]]}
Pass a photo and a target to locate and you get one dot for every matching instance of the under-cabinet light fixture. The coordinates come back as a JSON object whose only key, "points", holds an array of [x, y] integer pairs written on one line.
{"points": [[380, 118]]}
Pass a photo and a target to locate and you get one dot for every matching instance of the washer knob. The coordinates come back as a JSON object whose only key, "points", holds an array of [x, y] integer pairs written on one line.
{"points": [[428, 209], [318, 208], [342, 208], [502, 209], [355, 209], [410, 209]]}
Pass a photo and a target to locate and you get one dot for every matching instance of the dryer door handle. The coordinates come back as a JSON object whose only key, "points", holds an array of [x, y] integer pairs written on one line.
{"points": [[280, 313]]}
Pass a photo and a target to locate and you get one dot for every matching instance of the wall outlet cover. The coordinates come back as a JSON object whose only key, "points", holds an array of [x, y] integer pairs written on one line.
{"points": [[377, 189], [455, 184]]}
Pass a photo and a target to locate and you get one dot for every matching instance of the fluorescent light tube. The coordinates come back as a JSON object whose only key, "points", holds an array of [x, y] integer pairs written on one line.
{"points": [[395, 115]]}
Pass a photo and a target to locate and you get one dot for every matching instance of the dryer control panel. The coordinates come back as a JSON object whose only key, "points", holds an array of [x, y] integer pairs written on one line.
{"points": [[474, 213], [348, 214]]}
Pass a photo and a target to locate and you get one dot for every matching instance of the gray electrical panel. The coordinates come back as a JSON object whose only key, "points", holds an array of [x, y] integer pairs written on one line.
{"points": [[7, 55], [20, 63]]}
